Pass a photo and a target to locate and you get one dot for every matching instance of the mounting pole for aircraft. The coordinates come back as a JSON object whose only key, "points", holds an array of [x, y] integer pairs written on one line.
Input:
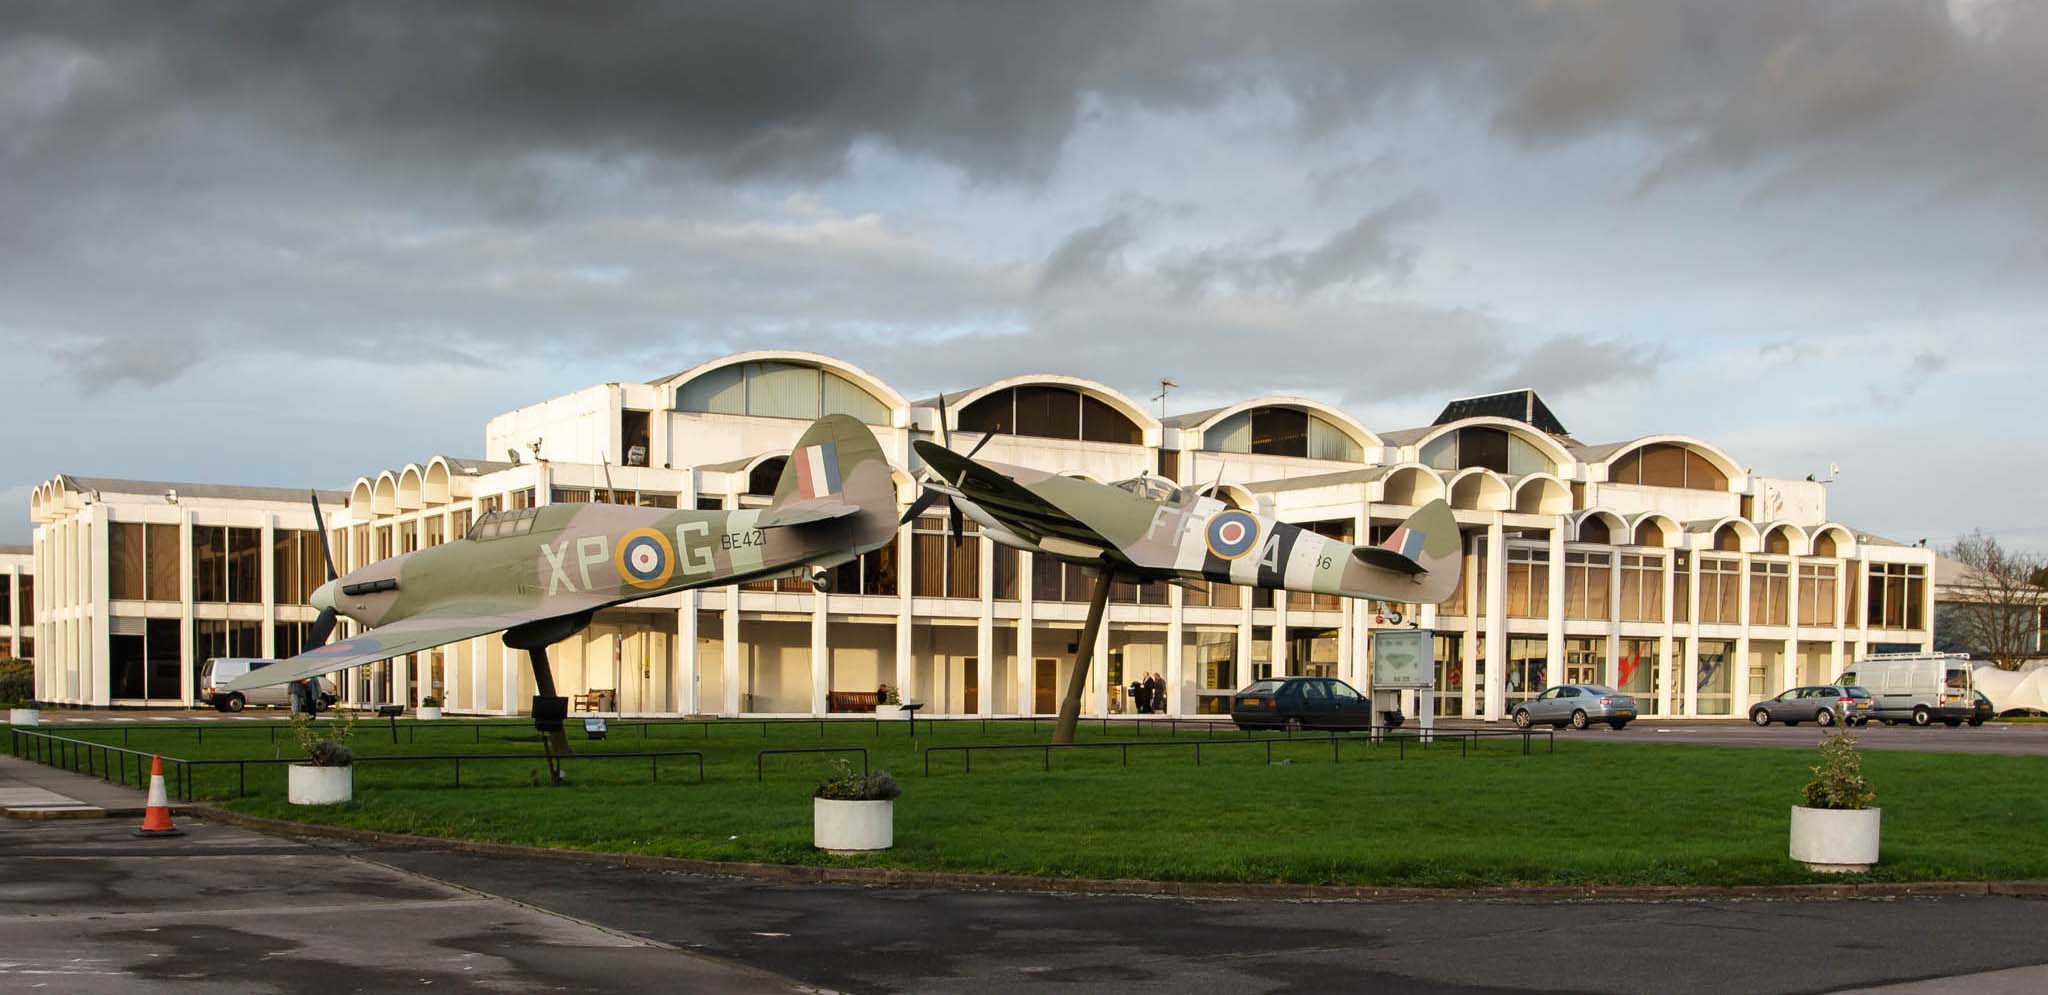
{"points": [[1070, 706], [550, 712]]}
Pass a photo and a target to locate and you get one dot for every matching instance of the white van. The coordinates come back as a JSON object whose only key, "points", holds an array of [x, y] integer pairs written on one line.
{"points": [[221, 670], [1920, 688]]}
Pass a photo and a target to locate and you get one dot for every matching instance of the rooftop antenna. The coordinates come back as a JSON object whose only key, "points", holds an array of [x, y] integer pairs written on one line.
{"points": [[1164, 386]]}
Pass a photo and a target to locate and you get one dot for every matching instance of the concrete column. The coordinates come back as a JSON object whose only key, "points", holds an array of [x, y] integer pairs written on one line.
{"points": [[1281, 667], [685, 694], [985, 633], [1739, 696], [1553, 625], [1667, 670], [1468, 647], [730, 644], [97, 663], [1496, 621], [821, 653], [1176, 637], [1612, 668], [509, 662], [266, 639], [905, 583], [186, 629], [1691, 670], [1027, 665], [478, 697]]}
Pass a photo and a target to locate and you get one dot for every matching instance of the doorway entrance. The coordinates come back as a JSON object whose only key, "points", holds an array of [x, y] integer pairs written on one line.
{"points": [[1044, 696]]}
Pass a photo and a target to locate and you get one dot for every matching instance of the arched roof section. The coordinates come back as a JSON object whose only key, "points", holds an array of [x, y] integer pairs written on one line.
{"points": [[362, 499], [1121, 403], [1548, 447], [1589, 526], [1479, 490], [1786, 539], [384, 494], [1713, 534], [1833, 539], [1653, 528], [1337, 418], [720, 386], [1410, 485], [1542, 494], [439, 476], [1713, 454], [1231, 494], [411, 488]]}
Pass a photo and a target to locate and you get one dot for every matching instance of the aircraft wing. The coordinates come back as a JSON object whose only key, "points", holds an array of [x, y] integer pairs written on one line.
{"points": [[1008, 500], [426, 630], [804, 511]]}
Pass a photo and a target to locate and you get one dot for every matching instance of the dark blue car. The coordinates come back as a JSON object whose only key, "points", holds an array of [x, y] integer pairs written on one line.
{"points": [[1300, 703]]}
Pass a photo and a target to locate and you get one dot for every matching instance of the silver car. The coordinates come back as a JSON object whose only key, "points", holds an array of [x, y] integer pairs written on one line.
{"points": [[1825, 704], [1577, 705]]}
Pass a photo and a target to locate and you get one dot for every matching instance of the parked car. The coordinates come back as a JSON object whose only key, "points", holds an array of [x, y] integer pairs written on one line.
{"points": [[1300, 703], [1983, 710], [1920, 688], [1824, 704], [1577, 705], [221, 670]]}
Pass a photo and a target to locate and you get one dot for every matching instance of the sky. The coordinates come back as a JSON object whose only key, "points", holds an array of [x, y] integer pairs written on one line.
{"points": [[292, 244]]}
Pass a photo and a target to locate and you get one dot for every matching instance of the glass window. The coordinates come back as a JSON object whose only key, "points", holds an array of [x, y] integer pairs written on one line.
{"points": [[1231, 435], [1720, 591], [1637, 671], [1102, 423], [1279, 431], [1714, 682], [1328, 442], [1663, 464], [1528, 669], [1587, 585], [1681, 587], [783, 390], [1528, 583], [844, 397], [1048, 412], [209, 563], [1343, 692], [125, 568], [1894, 593], [1642, 588], [722, 391], [1211, 655], [284, 567], [1817, 594], [163, 556], [1768, 593]]}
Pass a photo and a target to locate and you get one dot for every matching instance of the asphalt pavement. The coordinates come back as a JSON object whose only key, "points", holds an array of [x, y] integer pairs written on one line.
{"points": [[2008, 738]]}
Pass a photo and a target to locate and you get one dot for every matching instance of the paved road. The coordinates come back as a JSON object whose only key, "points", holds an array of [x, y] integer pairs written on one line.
{"points": [[86, 907], [2012, 738]]}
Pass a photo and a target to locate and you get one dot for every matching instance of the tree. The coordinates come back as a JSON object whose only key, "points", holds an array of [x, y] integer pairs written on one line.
{"points": [[1995, 605]]}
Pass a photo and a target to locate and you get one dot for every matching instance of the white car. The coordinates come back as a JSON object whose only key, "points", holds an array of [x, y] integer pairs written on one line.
{"points": [[221, 670]]}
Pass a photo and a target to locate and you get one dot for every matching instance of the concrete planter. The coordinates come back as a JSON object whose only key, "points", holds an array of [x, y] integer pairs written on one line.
{"points": [[890, 712], [843, 825], [425, 713], [310, 785], [24, 717], [1835, 841]]}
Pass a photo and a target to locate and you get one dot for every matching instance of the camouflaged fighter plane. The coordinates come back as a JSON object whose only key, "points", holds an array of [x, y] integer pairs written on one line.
{"points": [[1147, 529], [539, 574]]}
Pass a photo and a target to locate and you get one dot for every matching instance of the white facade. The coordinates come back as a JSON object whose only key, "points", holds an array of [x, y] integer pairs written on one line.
{"points": [[1660, 565], [17, 597]]}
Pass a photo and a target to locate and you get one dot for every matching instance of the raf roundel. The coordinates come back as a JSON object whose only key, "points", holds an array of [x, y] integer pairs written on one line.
{"points": [[1232, 533], [644, 558]]}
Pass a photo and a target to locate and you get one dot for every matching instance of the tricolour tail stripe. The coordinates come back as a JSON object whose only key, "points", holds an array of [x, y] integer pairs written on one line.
{"points": [[817, 470], [1407, 542]]}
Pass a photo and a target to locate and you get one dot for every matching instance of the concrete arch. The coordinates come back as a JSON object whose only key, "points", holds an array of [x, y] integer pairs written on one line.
{"points": [[899, 407], [1542, 494], [1410, 485], [1711, 453], [1129, 407], [362, 499], [1653, 525], [1559, 455], [1230, 494], [1365, 437], [1746, 537], [1617, 530], [439, 482], [411, 488], [1840, 537], [1786, 539], [1478, 489], [384, 494]]}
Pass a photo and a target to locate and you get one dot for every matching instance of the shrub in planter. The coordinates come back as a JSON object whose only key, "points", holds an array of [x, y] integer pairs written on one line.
{"points": [[430, 708], [888, 703], [328, 775], [854, 811], [1836, 830]]}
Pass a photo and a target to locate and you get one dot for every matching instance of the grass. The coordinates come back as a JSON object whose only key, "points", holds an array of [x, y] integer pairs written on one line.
{"points": [[1591, 813]]}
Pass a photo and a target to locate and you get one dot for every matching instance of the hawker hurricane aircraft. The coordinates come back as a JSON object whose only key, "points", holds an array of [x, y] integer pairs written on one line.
{"points": [[539, 574], [1147, 529]]}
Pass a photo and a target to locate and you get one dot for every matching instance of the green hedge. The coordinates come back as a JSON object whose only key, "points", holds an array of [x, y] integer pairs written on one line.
{"points": [[17, 681]]}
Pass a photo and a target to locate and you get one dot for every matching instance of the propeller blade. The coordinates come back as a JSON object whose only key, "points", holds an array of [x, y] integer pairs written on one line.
{"points": [[917, 507], [323, 626], [320, 524], [945, 434], [978, 445], [955, 524]]}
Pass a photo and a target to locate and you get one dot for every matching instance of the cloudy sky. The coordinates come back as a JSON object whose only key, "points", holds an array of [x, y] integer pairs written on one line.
{"points": [[278, 244]]}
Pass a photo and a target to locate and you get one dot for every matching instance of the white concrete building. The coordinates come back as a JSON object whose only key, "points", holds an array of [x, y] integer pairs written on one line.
{"points": [[17, 602], [1661, 565]]}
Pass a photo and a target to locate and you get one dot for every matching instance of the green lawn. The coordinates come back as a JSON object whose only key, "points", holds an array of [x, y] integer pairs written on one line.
{"points": [[1590, 813]]}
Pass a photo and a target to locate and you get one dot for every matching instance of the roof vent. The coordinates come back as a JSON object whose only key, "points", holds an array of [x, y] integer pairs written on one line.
{"points": [[1520, 405]]}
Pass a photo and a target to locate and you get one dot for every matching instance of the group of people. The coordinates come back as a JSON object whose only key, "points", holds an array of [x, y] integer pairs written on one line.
{"points": [[1148, 694]]}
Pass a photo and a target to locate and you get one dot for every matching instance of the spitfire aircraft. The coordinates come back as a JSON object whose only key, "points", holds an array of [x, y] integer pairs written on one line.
{"points": [[540, 574], [1147, 529]]}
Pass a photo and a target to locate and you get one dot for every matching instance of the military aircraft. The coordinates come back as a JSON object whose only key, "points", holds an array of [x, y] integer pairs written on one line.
{"points": [[1147, 529], [540, 574]]}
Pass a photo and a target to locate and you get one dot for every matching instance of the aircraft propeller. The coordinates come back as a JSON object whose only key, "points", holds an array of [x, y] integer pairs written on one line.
{"points": [[323, 623], [955, 524]]}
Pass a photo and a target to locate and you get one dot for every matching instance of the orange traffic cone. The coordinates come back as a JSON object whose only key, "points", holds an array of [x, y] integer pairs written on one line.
{"points": [[156, 817]]}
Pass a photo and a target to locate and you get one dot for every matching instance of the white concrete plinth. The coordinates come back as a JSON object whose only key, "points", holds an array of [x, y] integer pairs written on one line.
{"points": [[1835, 841], [24, 716], [310, 785], [844, 825], [427, 713]]}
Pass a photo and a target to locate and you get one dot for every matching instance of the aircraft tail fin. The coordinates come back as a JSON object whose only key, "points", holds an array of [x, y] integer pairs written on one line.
{"points": [[1425, 547], [835, 473]]}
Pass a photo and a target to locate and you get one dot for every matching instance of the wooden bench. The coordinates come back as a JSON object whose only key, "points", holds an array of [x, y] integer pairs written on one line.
{"points": [[851, 701]]}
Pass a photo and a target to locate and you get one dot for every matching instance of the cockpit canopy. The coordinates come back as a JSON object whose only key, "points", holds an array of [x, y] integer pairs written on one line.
{"points": [[1153, 488]]}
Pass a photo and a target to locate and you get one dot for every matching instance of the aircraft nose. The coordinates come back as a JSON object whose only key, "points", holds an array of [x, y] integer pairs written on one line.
{"points": [[323, 596]]}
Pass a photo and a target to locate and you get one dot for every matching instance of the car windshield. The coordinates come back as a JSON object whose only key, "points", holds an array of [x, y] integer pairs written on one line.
{"points": [[1958, 679], [1262, 687]]}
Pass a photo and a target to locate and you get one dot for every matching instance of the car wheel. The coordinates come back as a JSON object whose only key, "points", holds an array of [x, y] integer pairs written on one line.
{"points": [[236, 702], [1760, 717], [1974, 723], [1952, 723], [1618, 724], [1578, 720], [1921, 716], [1825, 717], [1522, 720]]}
